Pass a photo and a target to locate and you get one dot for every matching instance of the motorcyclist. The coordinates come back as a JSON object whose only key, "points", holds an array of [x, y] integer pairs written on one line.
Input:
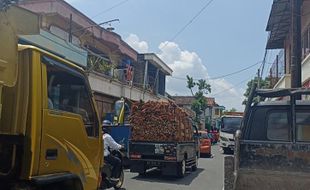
{"points": [[109, 145]]}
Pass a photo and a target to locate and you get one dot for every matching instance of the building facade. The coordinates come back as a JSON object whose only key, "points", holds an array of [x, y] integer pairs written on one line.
{"points": [[113, 68], [280, 37]]}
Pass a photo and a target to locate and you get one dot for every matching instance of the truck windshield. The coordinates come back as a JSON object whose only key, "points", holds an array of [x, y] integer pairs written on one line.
{"points": [[231, 124], [118, 106], [205, 136]]}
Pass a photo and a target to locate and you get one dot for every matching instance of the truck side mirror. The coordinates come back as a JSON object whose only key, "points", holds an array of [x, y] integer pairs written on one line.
{"points": [[196, 129]]}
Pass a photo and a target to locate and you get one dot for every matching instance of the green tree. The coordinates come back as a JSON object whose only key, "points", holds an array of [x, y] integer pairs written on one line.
{"points": [[233, 110], [263, 83], [228, 111], [200, 104], [190, 83]]}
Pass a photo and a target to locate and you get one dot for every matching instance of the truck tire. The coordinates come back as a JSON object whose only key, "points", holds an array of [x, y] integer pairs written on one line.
{"points": [[226, 150], [181, 169], [195, 165]]}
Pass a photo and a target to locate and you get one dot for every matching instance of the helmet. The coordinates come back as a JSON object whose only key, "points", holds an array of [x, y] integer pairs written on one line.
{"points": [[106, 123]]}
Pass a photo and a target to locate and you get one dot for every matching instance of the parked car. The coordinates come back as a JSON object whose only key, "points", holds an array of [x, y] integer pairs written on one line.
{"points": [[205, 143]]}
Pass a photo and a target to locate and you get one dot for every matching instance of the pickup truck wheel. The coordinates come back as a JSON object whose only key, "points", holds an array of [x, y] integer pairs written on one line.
{"points": [[142, 173], [181, 168], [194, 167]]}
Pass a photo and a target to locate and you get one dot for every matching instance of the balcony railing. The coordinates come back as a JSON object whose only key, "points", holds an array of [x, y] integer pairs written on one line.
{"points": [[277, 69]]}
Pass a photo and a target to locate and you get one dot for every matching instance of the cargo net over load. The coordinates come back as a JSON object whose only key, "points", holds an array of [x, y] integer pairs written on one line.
{"points": [[160, 122]]}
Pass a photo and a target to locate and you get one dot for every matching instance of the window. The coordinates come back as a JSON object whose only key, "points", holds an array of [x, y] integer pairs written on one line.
{"points": [[278, 126], [303, 126], [67, 92], [217, 111]]}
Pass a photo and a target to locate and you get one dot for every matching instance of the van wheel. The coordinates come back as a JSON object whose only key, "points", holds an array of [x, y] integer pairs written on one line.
{"points": [[181, 169]]}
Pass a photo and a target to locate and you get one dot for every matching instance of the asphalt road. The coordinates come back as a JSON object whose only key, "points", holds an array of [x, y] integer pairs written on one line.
{"points": [[209, 176]]}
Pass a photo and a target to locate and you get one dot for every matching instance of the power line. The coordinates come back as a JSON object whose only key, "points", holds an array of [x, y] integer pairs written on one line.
{"points": [[189, 22], [236, 72], [241, 82], [234, 86], [109, 9], [223, 76]]}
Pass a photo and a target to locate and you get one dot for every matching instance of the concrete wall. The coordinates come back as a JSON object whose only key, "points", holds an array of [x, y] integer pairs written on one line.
{"points": [[65, 9], [284, 82], [305, 69], [113, 88]]}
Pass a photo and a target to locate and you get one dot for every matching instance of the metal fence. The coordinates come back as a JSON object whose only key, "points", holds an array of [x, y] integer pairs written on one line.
{"points": [[277, 69]]}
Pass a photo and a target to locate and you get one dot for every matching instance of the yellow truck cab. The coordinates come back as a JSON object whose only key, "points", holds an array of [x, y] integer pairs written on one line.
{"points": [[50, 135]]}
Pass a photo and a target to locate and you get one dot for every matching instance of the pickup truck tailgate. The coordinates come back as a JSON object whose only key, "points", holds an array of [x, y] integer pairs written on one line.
{"points": [[151, 151], [142, 148]]}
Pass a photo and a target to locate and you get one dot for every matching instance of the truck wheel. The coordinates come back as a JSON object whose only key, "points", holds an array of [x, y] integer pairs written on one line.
{"points": [[181, 168], [194, 167], [225, 150]]}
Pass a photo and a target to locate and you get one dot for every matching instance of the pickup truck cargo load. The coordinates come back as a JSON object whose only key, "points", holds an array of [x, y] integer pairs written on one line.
{"points": [[162, 137], [160, 121]]}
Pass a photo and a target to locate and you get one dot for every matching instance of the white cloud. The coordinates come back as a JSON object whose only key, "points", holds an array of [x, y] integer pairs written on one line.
{"points": [[227, 94], [134, 41], [184, 62], [72, 1]]}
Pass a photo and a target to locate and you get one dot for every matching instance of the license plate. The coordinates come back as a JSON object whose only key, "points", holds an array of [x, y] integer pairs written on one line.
{"points": [[153, 163]]}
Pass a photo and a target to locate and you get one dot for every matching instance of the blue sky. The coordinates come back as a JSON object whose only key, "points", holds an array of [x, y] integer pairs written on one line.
{"points": [[228, 36]]}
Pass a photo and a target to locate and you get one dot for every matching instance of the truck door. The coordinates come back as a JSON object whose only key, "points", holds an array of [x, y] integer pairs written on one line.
{"points": [[70, 130], [271, 155]]}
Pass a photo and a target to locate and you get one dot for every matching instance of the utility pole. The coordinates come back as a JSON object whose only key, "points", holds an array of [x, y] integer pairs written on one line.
{"points": [[258, 78], [296, 43], [70, 29], [277, 68]]}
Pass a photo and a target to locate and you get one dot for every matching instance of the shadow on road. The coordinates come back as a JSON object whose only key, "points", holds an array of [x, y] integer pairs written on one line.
{"points": [[156, 176]]}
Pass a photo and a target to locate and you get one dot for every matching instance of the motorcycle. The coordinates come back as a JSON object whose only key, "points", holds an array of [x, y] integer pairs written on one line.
{"points": [[106, 173]]}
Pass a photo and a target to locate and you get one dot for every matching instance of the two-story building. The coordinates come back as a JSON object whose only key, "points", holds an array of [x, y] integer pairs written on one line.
{"points": [[280, 37], [114, 68]]}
